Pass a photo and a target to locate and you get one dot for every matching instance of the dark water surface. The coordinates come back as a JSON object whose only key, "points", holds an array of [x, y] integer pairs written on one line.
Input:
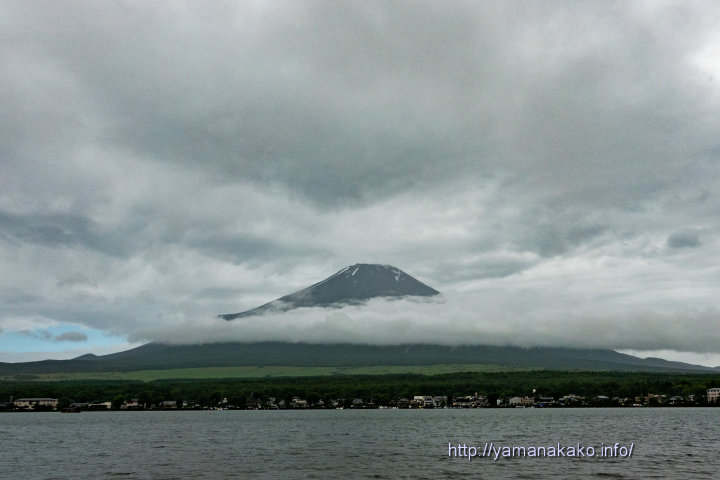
{"points": [[668, 443]]}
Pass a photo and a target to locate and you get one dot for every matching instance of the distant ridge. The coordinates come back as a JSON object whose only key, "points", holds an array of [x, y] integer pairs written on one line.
{"points": [[156, 356], [351, 285]]}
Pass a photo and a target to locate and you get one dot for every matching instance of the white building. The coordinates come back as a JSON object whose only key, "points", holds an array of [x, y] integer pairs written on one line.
{"points": [[517, 401], [713, 394], [33, 402]]}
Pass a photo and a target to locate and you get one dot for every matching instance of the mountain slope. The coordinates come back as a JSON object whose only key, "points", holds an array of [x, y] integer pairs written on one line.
{"points": [[354, 284], [159, 356]]}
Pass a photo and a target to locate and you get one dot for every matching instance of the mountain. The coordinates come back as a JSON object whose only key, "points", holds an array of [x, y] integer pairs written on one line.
{"points": [[351, 285], [155, 356]]}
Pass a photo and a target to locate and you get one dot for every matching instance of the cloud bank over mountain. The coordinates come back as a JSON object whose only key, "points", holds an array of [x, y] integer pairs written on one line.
{"points": [[451, 320], [551, 171]]}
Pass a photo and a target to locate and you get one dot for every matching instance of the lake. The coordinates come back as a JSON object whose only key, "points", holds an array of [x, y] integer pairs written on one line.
{"points": [[287, 444]]}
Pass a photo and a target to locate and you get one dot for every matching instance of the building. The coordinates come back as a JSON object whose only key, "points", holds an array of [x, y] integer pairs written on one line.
{"points": [[470, 401], [713, 394], [520, 401], [440, 401], [31, 403], [133, 404], [572, 399], [403, 403], [99, 406]]}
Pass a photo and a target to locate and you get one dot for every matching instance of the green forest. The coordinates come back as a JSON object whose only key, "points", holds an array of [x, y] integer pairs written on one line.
{"points": [[380, 389]]}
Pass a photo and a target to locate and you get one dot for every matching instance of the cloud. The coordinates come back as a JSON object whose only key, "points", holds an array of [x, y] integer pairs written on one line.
{"points": [[684, 239], [558, 165], [70, 337], [48, 336], [353, 102], [456, 320], [37, 334]]}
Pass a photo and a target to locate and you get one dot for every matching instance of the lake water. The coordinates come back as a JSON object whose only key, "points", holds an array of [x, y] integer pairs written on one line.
{"points": [[667, 443]]}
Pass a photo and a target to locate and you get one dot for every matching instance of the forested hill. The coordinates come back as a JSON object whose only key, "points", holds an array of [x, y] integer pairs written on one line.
{"points": [[155, 356]]}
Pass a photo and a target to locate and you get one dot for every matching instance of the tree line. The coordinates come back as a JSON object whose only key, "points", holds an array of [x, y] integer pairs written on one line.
{"points": [[382, 389]]}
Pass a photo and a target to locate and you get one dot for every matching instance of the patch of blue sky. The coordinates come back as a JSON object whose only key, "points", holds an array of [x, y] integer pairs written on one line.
{"points": [[55, 339]]}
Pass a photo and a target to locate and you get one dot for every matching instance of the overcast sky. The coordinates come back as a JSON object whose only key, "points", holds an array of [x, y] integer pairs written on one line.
{"points": [[552, 168]]}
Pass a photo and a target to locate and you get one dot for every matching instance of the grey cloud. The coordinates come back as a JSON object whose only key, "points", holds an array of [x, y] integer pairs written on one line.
{"points": [[63, 337], [39, 334], [58, 230], [70, 337], [488, 266], [194, 159], [581, 233], [550, 230], [354, 101], [493, 269], [241, 248], [49, 230], [77, 280], [684, 239]]}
